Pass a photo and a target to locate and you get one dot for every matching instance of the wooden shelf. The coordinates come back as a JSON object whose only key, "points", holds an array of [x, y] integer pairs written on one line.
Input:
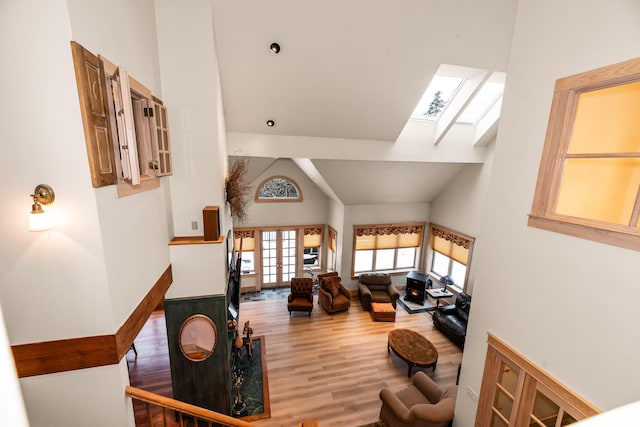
{"points": [[194, 240]]}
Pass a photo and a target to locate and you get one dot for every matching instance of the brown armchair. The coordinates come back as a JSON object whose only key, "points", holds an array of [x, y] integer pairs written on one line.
{"points": [[301, 296], [332, 296], [421, 404], [376, 287]]}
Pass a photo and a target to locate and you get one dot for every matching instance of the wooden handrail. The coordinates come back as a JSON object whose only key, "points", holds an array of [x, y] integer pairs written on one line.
{"points": [[185, 408]]}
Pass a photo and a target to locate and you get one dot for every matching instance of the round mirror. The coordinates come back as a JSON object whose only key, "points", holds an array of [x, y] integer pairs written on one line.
{"points": [[198, 337]]}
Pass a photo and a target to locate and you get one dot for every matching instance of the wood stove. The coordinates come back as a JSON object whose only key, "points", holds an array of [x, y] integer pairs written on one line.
{"points": [[417, 284]]}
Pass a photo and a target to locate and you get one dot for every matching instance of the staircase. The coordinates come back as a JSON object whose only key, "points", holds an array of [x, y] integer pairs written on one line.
{"points": [[179, 414]]}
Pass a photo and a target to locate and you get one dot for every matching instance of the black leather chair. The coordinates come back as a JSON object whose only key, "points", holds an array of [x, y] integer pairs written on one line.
{"points": [[452, 319]]}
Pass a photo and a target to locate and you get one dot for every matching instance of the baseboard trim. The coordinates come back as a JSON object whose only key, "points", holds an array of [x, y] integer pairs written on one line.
{"points": [[89, 352]]}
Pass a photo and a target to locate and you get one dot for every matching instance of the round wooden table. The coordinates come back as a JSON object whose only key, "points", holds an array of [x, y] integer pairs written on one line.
{"points": [[413, 348]]}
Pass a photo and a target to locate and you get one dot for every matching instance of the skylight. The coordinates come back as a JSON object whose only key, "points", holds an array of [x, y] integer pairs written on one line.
{"points": [[435, 99], [487, 96], [463, 99]]}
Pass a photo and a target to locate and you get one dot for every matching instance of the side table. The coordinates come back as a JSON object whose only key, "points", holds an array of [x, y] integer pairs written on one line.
{"points": [[437, 294]]}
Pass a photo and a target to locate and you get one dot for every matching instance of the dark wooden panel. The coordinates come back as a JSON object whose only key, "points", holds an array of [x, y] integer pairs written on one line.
{"points": [[87, 352], [206, 383], [211, 223]]}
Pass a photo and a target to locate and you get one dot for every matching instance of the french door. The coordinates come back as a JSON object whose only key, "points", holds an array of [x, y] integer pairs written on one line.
{"points": [[278, 257]]}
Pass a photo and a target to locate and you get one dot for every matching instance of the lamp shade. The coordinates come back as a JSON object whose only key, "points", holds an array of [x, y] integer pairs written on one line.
{"points": [[39, 221]]}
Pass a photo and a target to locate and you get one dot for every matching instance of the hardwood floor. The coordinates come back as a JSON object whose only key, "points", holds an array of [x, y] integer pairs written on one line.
{"points": [[329, 367]]}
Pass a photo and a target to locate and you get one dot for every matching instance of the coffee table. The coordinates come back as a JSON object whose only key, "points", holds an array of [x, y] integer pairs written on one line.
{"points": [[413, 348]]}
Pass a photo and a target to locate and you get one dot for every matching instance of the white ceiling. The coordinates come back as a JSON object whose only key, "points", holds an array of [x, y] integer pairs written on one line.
{"points": [[351, 70]]}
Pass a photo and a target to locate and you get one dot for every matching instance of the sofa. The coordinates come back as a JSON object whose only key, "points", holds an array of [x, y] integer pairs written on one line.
{"points": [[332, 295], [452, 319], [301, 296], [376, 287], [423, 403]]}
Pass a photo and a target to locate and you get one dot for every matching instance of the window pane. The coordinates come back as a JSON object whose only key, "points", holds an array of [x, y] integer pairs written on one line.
{"points": [[599, 189], [330, 261], [363, 261], [508, 378], [458, 273], [248, 265], [496, 421], [545, 410], [312, 257], [406, 258], [503, 403], [606, 121], [384, 259], [440, 264], [567, 419]]}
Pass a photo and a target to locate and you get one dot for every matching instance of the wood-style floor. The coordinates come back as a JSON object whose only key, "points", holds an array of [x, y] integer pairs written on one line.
{"points": [[329, 367]]}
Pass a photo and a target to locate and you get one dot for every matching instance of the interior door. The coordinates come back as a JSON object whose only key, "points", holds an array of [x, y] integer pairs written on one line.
{"points": [[278, 258]]}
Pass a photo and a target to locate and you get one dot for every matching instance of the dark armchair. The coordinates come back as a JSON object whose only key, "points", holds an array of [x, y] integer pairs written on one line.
{"points": [[376, 287], [452, 319], [301, 296], [332, 296], [423, 403]]}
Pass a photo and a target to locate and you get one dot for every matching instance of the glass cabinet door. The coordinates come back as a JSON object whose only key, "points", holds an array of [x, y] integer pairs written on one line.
{"points": [[546, 412], [506, 386], [517, 393]]}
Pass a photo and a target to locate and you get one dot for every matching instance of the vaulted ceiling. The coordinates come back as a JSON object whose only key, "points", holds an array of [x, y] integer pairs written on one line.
{"points": [[346, 80]]}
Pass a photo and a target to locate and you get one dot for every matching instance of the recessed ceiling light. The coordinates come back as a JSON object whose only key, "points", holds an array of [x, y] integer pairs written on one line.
{"points": [[275, 48], [271, 123]]}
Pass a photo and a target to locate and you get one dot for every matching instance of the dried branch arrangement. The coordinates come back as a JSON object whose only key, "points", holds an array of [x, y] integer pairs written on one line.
{"points": [[237, 190]]}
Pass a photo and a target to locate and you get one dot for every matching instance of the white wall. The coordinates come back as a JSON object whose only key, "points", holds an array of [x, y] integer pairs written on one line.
{"points": [[336, 220], [85, 276], [191, 87], [86, 397], [460, 205], [313, 209], [541, 292], [36, 269], [123, 32], [11, 403], [135, 231], [376, 214]]}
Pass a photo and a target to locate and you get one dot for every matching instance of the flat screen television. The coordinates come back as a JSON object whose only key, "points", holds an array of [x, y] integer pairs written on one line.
{"points": [[233, 291]]}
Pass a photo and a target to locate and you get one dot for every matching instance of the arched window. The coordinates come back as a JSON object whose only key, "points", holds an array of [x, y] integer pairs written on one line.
{"points": [[278, 189]]}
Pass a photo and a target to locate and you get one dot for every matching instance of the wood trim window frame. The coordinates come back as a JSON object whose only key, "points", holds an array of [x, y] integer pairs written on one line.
{"points": [[259, 199], [332, 255], [566, 93], [457, 238], [255, 233], [385, 229]]}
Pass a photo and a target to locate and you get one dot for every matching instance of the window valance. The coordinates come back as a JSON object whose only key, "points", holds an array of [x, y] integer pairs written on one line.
{"points": [[369, 237], [452, 244], [244, 240], [312, 237], [452, 237]]}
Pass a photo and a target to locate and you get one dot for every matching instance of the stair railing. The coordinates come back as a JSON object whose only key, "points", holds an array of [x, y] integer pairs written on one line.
{"points": [[185, 411]]}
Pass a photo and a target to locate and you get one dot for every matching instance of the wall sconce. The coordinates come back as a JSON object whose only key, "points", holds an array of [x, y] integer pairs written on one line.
{"points": [[39, 220]]}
